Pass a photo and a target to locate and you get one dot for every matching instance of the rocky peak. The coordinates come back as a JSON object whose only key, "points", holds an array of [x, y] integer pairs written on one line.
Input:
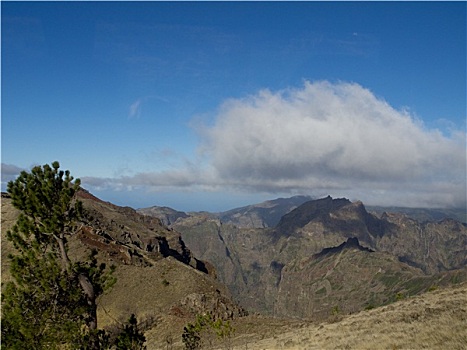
{"points": [[319, 209]]}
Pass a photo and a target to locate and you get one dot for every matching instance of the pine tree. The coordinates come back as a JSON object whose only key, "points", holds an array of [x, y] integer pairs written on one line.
{"points": [[52, 301]]}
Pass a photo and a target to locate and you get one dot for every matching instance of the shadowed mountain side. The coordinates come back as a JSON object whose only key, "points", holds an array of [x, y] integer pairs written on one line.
{"points": [[351, 243], [312, 210]]}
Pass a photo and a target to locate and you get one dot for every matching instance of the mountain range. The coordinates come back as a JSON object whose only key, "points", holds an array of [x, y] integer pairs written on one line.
{"points": [[323, 254], [269, 213], [268, 268]]}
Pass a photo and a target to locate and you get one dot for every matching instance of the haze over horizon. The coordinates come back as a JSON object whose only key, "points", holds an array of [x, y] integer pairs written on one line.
{"points": [[216, 105]]}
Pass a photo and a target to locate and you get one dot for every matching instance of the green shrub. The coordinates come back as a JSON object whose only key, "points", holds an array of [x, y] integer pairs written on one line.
{"points": [[203, 327]]}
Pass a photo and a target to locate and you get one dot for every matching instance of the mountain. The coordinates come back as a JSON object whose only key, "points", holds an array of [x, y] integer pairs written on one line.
{"points": [[167, 215], [424, 214], [265, 214], [269, 213], [279, 270], [431, 246], [350, 278], [323, 260], [158, 277]]}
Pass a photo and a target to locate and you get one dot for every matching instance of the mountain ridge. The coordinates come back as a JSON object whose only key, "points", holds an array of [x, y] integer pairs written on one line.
{"points": [[250, 260], [282, 206]]}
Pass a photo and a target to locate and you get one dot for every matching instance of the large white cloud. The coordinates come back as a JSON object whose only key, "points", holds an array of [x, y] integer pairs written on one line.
{"points": [[321, 138], [332, 136]]}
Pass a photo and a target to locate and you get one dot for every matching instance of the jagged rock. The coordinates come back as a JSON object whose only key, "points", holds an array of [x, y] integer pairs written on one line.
{"points": [[215, 304]]}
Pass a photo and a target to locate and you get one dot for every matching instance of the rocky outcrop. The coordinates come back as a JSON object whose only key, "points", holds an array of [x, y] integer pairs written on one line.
{"points": [[131, 237], [215, 304]]}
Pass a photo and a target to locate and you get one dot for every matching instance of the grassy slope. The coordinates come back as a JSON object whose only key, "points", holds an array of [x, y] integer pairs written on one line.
{"points": [[434, 320]]}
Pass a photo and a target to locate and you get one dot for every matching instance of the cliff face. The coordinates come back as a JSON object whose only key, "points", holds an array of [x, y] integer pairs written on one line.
{"points": [[145, 237], [280, 270]]}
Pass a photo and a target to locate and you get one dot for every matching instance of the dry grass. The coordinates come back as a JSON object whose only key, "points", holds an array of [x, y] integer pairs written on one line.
{"points": [[8, 219], [435, 320]]}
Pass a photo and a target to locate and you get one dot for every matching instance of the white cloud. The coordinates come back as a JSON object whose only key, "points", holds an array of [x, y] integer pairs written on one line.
{"points": [[135, 109], [331, 136], [323, 138]]}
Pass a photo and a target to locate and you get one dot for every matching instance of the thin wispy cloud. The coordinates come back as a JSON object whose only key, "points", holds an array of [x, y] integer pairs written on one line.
{"points": [[135, 109], [323, 137]]}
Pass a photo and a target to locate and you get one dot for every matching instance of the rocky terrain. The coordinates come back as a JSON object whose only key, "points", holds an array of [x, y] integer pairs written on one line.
{"points": [[328, 254]]}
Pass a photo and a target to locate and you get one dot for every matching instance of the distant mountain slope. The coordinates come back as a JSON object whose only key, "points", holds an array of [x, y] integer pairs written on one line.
{"points": [[265, 214], [167, 215], [269, 213], [263, 267], [423, 214], [431, 246]]}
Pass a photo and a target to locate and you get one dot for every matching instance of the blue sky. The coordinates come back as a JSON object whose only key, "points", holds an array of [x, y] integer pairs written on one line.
{"points": [[209, 106]]}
